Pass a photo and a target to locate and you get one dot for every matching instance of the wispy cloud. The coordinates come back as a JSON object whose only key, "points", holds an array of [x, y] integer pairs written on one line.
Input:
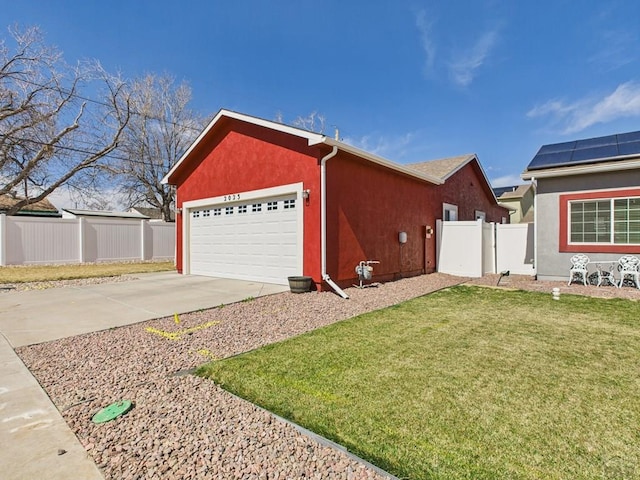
{"points": [[574, 117], [425, 27], [464, 67], [506, 181], [392, 147], [615, 49]]}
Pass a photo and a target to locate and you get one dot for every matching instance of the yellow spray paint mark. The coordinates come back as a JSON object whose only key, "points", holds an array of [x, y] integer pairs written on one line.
{"points": [[207, 353], [180, 333], [176, 319]]}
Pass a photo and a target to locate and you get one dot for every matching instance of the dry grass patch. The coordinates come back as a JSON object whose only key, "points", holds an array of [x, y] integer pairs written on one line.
{"points": [[48, 273]]}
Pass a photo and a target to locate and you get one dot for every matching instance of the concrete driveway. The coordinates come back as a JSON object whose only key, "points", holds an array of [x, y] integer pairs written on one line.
{"points": [[40, 316], [36, 441]]}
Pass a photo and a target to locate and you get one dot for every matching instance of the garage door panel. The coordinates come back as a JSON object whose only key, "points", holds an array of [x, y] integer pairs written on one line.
{"points": [[257, 240]]}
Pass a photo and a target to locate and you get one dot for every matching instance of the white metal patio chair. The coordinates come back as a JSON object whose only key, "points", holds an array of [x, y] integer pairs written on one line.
{"points": [[578, 268], [629, 267]]}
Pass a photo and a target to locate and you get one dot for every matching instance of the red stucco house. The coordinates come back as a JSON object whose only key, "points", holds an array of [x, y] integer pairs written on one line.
{"points": [[259, 200]]}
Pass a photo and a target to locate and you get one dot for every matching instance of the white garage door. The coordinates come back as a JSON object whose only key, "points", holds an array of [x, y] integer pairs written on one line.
{"points": [[253, 240]]}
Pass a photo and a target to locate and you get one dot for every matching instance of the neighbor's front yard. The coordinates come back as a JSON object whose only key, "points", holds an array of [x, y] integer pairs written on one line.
{"points": [[50, 273], [465, 383]]}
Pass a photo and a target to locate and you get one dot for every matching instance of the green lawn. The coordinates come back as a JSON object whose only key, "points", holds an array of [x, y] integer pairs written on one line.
{"points": [[48, 273], [468, 382]]}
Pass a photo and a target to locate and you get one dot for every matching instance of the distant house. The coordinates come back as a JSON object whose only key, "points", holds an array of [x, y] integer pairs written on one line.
{"points": [[75, 213], [43, 208], [154, 214], [259, 200], [519, 199], [587, 201]]}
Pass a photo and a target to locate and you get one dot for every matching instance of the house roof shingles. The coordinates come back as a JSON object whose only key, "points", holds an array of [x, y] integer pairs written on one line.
{"points": [[43, 206], [442, 168], [519, 192]]}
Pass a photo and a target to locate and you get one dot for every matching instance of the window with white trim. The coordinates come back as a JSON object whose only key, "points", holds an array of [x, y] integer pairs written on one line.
{"points": [[289, 204], [228, 211], [609, 221], [242, 209], [217, 212], [206, 213], [480, 215], [196, 214], [272, 205], [256, 207]]}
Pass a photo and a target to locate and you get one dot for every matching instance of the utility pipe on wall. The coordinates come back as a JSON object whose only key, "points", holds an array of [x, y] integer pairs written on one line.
{"points": [[323, 221], [535, 225]]}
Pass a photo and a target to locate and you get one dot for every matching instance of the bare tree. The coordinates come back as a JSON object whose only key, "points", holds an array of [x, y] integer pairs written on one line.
{"points": [[314, 122], [160, 131], [51, 133]]}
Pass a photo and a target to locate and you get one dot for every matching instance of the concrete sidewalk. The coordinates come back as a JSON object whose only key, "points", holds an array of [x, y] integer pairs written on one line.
{"points": [[36, 441]]}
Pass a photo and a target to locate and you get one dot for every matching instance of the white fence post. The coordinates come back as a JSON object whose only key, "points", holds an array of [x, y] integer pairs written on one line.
{"points": [[3, 240], [81, 239], [144, 239]]}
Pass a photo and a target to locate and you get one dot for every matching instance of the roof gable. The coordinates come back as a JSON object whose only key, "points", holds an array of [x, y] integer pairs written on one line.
{"points": [[443, 168], [514, 192], [312, 139]]}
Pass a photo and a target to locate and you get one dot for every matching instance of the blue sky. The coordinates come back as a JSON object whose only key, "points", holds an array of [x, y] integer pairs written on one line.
{"points": [[407, 80]]}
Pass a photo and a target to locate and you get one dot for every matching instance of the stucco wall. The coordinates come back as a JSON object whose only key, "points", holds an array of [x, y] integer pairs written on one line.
{"points": [[369, 205], [520, 205], [551, 263], [248, 158]]}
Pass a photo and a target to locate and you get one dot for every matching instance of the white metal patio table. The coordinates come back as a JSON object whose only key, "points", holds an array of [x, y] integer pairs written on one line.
{"points": [[605, 269]]}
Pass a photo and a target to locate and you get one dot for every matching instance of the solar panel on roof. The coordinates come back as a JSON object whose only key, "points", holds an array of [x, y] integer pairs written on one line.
{"points": [[628, 137], [629, 148], [498, 191], [604, 151], [550, 159], [597, 142], [590, 150], [557, 147]]}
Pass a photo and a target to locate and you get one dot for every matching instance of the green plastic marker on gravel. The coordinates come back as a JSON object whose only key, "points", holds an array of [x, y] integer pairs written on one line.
{"points": [[112, 411]]}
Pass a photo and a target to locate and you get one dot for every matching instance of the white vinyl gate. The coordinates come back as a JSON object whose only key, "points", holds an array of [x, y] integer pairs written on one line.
{"points": [[476, 248], [250, 240]]}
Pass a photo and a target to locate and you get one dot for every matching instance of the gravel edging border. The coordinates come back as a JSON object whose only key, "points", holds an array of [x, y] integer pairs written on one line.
{"points": [[321, 440]]}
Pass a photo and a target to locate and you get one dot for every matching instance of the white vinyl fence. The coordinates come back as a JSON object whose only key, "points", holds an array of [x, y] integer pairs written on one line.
{"points": [[475, 248], [25, 240]]}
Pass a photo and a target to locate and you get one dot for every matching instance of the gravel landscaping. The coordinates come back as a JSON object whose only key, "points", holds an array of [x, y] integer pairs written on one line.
{"points": [[182, 426], [185, 427]]}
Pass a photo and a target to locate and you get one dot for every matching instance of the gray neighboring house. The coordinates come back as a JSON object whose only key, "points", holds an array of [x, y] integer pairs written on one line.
{"points": [[587, 201], [154, 214]]}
